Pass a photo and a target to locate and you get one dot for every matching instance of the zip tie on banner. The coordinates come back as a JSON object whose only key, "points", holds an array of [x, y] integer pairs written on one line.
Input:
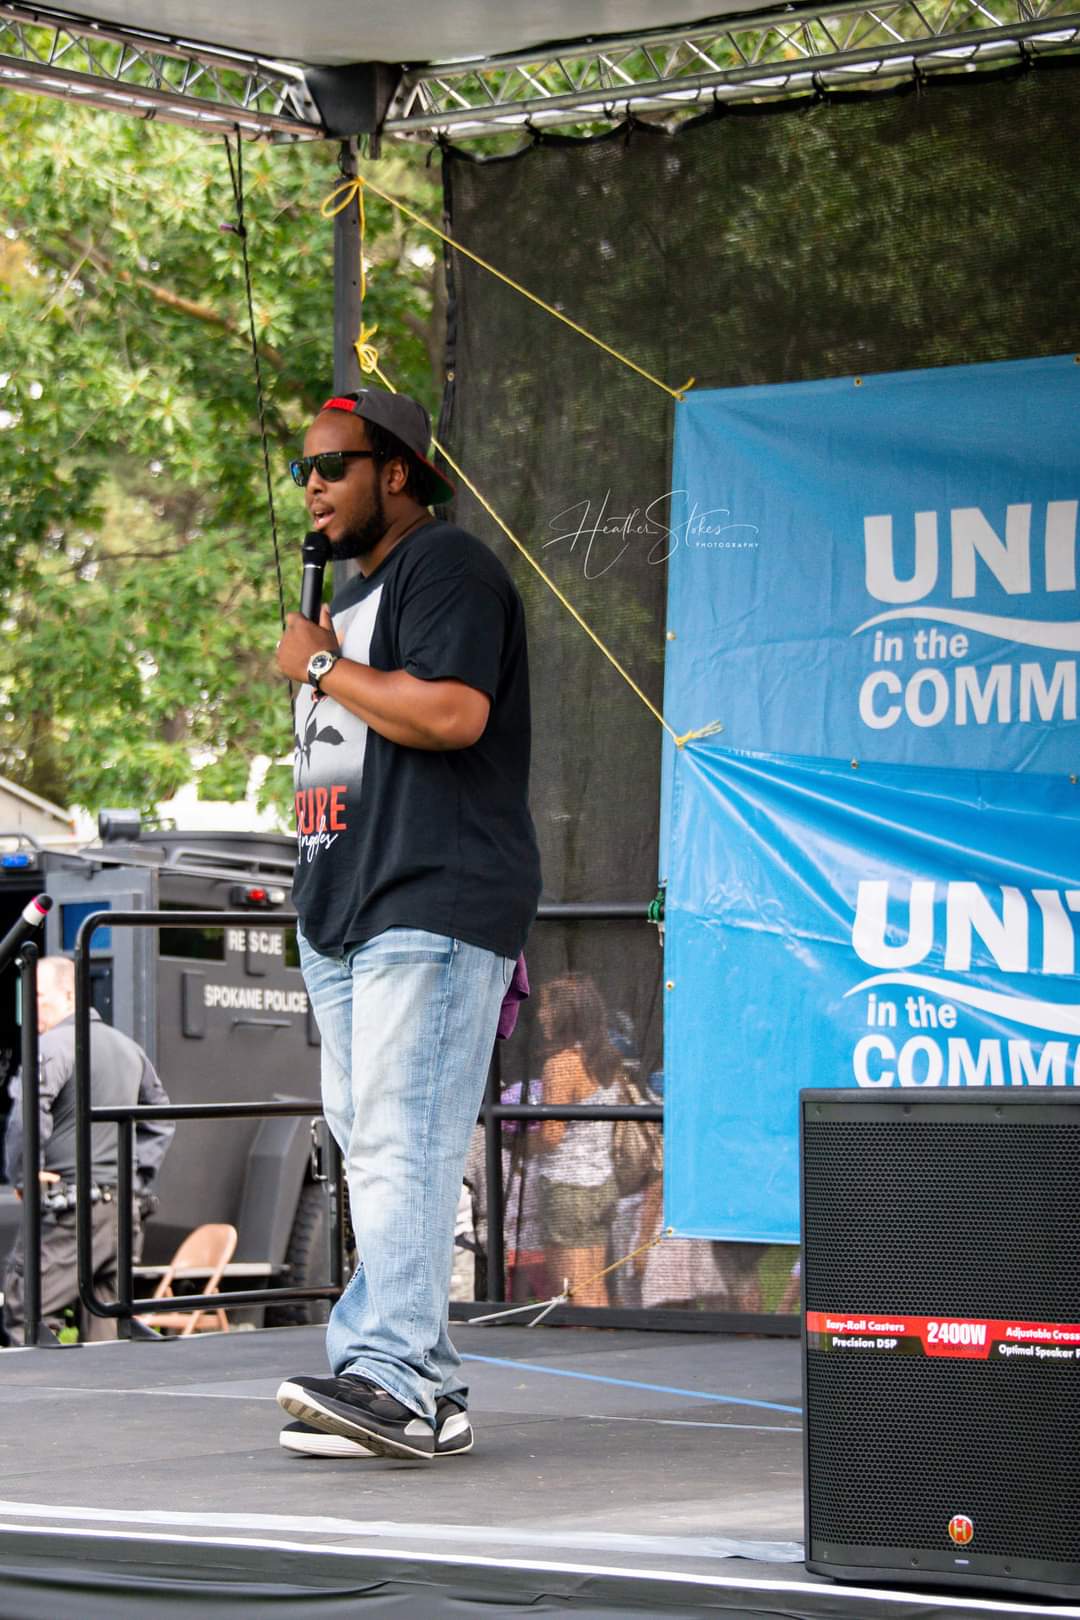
{"points": [[344, 193], [711, 730]]}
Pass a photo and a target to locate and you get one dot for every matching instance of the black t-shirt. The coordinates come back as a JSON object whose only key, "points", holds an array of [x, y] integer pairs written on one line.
{"points": [[391, 836]]}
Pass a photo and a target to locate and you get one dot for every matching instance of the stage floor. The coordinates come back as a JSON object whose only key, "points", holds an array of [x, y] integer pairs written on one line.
{"points": [[614, 1473]]}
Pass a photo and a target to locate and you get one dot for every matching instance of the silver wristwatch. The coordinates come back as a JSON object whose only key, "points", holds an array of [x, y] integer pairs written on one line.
{"points": [[319, 666]]}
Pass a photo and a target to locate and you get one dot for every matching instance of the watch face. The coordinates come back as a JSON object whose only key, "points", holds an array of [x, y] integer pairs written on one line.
{"points": [[320, 664]]}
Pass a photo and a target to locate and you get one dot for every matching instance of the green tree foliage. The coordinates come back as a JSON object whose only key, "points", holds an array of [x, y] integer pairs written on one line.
{"points": [[137, 581]]}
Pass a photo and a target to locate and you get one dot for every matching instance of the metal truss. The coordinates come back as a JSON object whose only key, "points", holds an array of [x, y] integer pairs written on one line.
{"points": [[147, 75], [753, 56], [663, 73]]}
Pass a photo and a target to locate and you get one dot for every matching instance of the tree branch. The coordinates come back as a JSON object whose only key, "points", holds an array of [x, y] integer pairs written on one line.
{"points": [[168, 299]]}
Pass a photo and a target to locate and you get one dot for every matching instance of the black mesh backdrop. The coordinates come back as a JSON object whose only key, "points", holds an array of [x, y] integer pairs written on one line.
{"points": [[908, 229]]}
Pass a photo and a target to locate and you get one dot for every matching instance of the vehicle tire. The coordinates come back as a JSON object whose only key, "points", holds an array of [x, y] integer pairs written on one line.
{"points": [[307, 1259]]}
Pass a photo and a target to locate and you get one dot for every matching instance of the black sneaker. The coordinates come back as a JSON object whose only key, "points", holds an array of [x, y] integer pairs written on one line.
{"points": [[354, 1408], [453, 1435]]}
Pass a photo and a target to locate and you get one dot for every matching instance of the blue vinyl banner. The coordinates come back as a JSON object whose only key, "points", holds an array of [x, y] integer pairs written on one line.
{"points": [[872, 590], [826, 926], [882, 568]]}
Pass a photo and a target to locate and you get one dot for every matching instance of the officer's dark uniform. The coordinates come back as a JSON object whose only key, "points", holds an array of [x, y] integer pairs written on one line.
{"points": [[120, 1074]]}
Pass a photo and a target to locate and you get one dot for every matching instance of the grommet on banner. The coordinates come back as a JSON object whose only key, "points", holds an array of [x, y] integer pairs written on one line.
{"points": [[854, 764], [670, 985], [671, 635], [857, 382]]}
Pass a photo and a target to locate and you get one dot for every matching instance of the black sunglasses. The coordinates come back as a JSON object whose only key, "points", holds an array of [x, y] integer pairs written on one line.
{"points": [[330, 465]]}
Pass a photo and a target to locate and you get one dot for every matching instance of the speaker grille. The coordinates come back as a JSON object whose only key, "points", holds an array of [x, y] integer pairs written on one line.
{"points": [[927, 1210], [943, 1216], [885, 1474]]}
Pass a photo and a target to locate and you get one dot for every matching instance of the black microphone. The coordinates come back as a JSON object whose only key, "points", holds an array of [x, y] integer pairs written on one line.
{"points": [[29, 921], [316, 554]]}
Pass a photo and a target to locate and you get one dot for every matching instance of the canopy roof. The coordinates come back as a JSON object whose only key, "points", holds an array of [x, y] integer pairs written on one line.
{"points": [[331, 33], [286, 69]]}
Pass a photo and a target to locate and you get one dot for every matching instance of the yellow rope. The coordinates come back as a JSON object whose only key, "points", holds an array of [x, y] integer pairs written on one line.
{"points": [[343, 194], [550, 583], [572, 1288], [569, 1289], [368, 356]]}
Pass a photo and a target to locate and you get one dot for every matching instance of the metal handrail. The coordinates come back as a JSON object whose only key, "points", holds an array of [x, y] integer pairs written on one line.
{"points": [[613, 1112], [492, 1113], [125, 1117], [21, 835]]}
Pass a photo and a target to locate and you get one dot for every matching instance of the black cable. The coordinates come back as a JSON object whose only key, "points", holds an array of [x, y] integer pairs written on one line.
{"points": [[236, 174]]}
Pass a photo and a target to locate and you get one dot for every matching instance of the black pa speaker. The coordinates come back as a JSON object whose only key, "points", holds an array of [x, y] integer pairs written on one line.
{"points": [[941, 1364]]}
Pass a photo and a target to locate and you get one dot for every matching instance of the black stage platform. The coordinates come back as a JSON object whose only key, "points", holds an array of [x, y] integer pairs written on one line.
{"points": [[614, 1473]]}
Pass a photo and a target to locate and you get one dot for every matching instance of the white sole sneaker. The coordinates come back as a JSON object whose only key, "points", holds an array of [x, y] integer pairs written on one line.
{"points": [[308, 1441], [453, 1438], [315, 1401]]}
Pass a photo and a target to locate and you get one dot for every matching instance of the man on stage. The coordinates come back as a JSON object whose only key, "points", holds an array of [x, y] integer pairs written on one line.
{"points": [[417, 880]]}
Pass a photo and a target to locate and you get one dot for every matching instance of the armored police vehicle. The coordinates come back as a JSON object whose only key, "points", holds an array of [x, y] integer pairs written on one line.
{"points": [[222, 1013]]}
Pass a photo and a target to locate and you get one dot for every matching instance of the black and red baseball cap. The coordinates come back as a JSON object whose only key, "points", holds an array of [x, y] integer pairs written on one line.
{"points": [[408, 421]]}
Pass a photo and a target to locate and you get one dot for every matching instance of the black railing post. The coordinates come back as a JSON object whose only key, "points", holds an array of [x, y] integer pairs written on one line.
{"points": [[125, 1219], [335, 1184], [496, 1253], [33, 1332], [84, 1168]]}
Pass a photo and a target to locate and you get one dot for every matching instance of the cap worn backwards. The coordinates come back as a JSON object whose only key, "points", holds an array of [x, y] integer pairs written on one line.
{"points": [[408, 421]]}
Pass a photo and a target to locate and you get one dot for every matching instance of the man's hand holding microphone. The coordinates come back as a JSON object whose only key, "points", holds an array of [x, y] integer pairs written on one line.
{"points": [[311, 630]]}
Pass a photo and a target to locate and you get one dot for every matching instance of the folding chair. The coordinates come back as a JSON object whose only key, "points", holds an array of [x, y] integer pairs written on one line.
{"points": [[207, 1248]]}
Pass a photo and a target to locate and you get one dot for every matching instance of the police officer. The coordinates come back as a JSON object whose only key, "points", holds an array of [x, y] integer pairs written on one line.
{"points": [[120, 1074]]}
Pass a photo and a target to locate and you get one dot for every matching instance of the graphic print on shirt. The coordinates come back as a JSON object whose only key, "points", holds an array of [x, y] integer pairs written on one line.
{"points": [[330, 743]]}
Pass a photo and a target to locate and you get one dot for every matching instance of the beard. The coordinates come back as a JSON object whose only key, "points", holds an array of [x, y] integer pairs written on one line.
{"points": [[360, 540]]}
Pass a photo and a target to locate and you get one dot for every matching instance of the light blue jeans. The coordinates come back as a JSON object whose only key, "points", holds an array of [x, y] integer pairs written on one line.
{"points": [[408, 1024]]}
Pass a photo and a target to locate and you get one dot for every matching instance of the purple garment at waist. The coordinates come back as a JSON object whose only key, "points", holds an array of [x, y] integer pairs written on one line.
{"points": [[515, 995]]}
